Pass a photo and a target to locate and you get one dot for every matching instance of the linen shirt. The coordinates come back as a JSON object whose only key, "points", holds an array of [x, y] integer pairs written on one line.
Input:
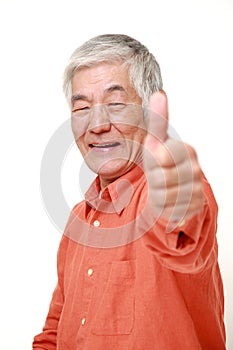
{"points": [[125, 282]]}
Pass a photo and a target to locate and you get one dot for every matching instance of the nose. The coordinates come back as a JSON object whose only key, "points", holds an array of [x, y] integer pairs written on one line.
{"points": [[99, 120]]}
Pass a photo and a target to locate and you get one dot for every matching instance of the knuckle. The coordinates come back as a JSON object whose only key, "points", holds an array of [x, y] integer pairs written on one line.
{"points": [[160, 197]]}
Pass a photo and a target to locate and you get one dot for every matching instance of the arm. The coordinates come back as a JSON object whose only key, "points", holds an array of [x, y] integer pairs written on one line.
{"points": [[191, 247], [48, 338], [182, 201]]}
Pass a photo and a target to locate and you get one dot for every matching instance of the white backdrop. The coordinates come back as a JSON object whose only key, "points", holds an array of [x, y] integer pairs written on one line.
{"points": [[192, 40]]}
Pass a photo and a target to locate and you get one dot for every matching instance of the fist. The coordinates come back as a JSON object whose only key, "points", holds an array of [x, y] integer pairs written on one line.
{"points": [[172, 169]]}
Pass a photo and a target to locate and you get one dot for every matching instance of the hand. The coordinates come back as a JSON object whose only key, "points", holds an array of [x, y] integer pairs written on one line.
{"points": [[172, 169]]}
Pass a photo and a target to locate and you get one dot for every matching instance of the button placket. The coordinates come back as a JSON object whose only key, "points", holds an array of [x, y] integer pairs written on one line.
{"points": [[88, 284]]}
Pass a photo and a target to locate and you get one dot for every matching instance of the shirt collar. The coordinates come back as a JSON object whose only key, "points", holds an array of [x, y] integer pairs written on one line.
{"points": [[116, 196]]}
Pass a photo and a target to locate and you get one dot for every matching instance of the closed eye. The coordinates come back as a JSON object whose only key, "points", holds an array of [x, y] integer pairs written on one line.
{"points": [[80, 111], [116, 106]]}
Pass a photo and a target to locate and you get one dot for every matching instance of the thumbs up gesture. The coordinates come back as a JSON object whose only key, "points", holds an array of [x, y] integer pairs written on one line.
{"points": [[172, 169]]}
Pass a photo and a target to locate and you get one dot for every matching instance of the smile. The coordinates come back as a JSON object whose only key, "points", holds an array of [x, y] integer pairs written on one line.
{"points": [[104, 145]]}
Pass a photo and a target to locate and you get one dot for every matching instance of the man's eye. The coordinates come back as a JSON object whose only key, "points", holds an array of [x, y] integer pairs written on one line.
{"points": [[116, 105], [80, 110]]}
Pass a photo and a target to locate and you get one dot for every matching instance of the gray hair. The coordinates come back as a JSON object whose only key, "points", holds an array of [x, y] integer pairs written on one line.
{"points": [[144, 70]]}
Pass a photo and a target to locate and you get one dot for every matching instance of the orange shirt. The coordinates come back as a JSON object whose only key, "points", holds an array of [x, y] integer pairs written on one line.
{"points": [[125, 283]]}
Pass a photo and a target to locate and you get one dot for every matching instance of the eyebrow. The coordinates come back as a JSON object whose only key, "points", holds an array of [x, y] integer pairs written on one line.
{"points": [[78, 97], [114, 87]]}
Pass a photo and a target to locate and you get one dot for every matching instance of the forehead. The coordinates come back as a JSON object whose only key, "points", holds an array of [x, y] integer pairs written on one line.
{"points": [[101, 76]]}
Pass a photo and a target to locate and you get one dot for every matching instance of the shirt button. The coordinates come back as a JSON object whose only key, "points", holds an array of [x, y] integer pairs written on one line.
{"points": [[83, 321], [96, 223], [90, 272]]}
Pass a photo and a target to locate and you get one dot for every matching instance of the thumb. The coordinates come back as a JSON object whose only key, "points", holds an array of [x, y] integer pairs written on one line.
{"points": [[157, 125]]}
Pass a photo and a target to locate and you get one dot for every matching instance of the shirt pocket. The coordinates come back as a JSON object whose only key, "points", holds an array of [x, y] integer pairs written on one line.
{"points": [[115, 315]]}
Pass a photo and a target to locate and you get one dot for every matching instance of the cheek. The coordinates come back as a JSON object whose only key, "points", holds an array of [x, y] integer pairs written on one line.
{"points": [[79, 127], [141, 135], [137, 132], [130, 116], [81, 146]]}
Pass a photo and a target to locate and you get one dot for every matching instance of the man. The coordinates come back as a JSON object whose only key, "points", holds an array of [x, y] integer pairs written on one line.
{"points": [[137, 264]]}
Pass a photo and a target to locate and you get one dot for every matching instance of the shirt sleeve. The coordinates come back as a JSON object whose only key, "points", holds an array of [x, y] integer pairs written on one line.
{"points": [[47, 339], [189, 248]]}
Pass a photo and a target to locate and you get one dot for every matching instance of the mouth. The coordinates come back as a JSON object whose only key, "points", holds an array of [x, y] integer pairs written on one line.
{"points": [[104, 145]]}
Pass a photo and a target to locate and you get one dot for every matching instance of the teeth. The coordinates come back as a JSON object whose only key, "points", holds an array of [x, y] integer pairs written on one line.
{"points": [[104, 144]]}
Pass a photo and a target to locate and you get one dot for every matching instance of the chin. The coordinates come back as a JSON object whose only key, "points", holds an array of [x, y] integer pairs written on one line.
{"points": [[111, 169]]}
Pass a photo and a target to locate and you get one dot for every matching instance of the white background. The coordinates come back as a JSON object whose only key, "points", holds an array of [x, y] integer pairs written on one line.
{"points": [[192, 40]]}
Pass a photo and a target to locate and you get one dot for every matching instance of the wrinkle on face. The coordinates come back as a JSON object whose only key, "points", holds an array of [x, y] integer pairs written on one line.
{"points": [[107, 109]]}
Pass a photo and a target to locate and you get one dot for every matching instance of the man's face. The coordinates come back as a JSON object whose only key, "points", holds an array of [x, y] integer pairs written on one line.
{"points": [[107, 120]]}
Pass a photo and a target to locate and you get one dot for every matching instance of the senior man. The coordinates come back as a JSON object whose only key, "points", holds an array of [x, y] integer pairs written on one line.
{"points": [[137, 263]]}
